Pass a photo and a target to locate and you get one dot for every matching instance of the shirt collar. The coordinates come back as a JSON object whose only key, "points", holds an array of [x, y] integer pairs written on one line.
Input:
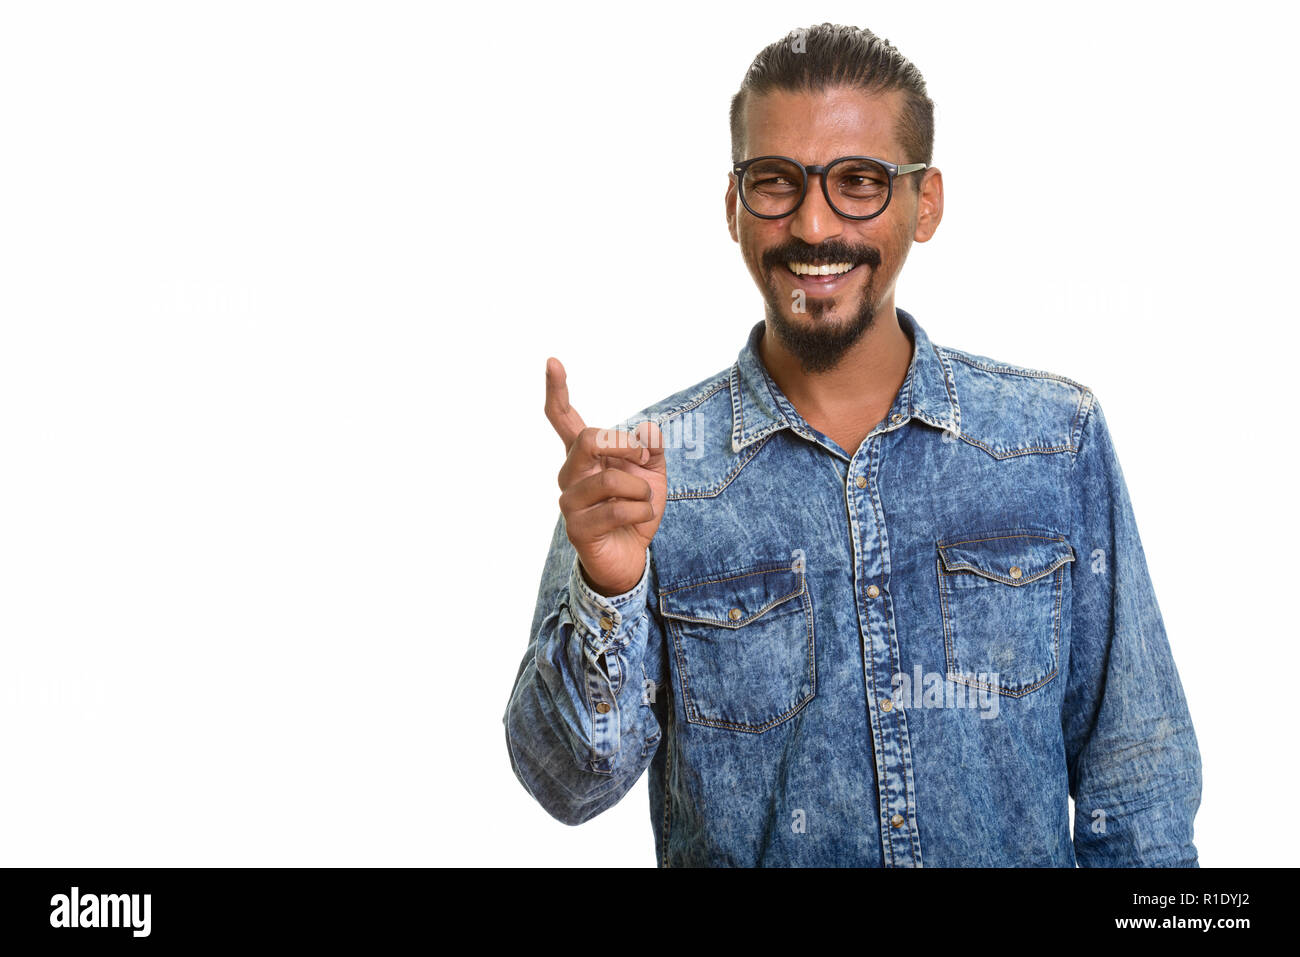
{"points": [[758, 407]]}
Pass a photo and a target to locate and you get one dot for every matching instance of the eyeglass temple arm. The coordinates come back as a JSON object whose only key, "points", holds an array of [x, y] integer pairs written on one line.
{"points": [[910, 168]]}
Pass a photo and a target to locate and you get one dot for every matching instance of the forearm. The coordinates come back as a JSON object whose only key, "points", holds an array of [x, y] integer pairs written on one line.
{"points": [[579, 727], [1135, 807]]}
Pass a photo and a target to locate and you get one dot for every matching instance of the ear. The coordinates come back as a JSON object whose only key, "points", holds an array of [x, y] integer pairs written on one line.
{"points": [[929, 205], [731, 207]]}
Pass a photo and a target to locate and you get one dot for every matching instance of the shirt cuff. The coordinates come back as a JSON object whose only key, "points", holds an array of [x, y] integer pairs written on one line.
{"points": [[607, 620]]}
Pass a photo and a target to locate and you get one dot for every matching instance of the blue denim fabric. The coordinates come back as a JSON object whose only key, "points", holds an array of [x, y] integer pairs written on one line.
{"points": [[901, 655]]}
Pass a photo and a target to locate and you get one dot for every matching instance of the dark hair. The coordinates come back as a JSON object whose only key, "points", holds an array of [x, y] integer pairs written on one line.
{"points": [[830, 55]]}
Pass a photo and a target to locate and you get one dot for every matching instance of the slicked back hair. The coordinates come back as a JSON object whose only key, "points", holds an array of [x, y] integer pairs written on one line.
{"points": [[829, 55]]}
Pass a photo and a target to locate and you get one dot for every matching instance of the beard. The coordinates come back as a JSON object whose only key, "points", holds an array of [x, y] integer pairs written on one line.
{"points": [[820, 342]]}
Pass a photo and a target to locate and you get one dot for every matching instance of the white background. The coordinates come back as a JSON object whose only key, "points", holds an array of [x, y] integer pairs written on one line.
{"points": [[278, 282]]}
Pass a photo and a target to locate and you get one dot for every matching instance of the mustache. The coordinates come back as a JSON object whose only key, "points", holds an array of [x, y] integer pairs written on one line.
{"points": [[826, 252]]}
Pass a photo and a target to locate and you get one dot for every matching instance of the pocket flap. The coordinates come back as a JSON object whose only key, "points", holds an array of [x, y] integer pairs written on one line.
{"points": [[735, 600], [1011, 557]]}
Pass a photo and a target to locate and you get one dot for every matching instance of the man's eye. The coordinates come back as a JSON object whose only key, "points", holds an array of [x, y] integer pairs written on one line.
{"points": [[861, 187]]}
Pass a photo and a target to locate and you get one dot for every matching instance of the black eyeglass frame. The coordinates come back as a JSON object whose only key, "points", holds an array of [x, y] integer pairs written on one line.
{"points": [[893, 169]]}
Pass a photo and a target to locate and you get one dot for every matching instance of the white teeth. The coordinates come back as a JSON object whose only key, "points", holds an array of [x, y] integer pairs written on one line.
{"points": [[803, 269]]}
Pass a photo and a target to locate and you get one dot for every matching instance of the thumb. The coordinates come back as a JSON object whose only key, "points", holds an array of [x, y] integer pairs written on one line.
{"points": [[648, 434]]}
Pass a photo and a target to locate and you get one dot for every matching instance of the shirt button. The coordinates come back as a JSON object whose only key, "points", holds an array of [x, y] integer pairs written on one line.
{"points": [[606, 622], [735, 614], [896, 821], [886, 705], [872, 591], [1015, 571], [602, 707], [895, 417], [862, 481]]}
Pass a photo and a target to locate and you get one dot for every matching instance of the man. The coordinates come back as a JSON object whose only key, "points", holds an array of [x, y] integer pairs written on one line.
{"points": [[858, 599]]}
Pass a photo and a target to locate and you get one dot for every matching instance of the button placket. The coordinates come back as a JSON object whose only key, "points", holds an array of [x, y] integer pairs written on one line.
{"points": [[880, 649], [604, 719]]}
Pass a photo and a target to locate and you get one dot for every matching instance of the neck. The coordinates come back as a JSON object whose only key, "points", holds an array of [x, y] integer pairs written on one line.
{"points": [[851, 398]]}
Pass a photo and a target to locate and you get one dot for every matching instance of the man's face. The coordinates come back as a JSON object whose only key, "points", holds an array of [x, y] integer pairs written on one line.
{"points": [[815, 319]]}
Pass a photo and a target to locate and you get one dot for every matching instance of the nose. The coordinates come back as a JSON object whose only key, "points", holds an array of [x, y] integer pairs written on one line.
{"points": [[814, 221]]}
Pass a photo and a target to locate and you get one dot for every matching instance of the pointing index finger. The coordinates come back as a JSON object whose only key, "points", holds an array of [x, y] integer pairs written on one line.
{"points": [[564, 418]]}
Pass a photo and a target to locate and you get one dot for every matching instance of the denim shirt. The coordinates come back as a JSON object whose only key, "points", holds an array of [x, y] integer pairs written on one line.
{"points": [[906, 654]]}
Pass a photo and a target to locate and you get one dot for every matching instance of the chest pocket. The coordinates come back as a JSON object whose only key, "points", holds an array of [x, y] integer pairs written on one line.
{"points": [[1001, 595], [744, 646]]}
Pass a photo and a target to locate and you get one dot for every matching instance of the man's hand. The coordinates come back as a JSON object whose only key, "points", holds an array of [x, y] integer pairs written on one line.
{"points": [[614, 485]]}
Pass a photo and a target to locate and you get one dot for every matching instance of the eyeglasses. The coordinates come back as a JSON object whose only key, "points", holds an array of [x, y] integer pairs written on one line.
{"points": [[856, 187]]}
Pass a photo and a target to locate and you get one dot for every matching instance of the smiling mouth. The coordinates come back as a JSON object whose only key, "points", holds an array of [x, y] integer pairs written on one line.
{"points": [[816, 270], [821, 278]]}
